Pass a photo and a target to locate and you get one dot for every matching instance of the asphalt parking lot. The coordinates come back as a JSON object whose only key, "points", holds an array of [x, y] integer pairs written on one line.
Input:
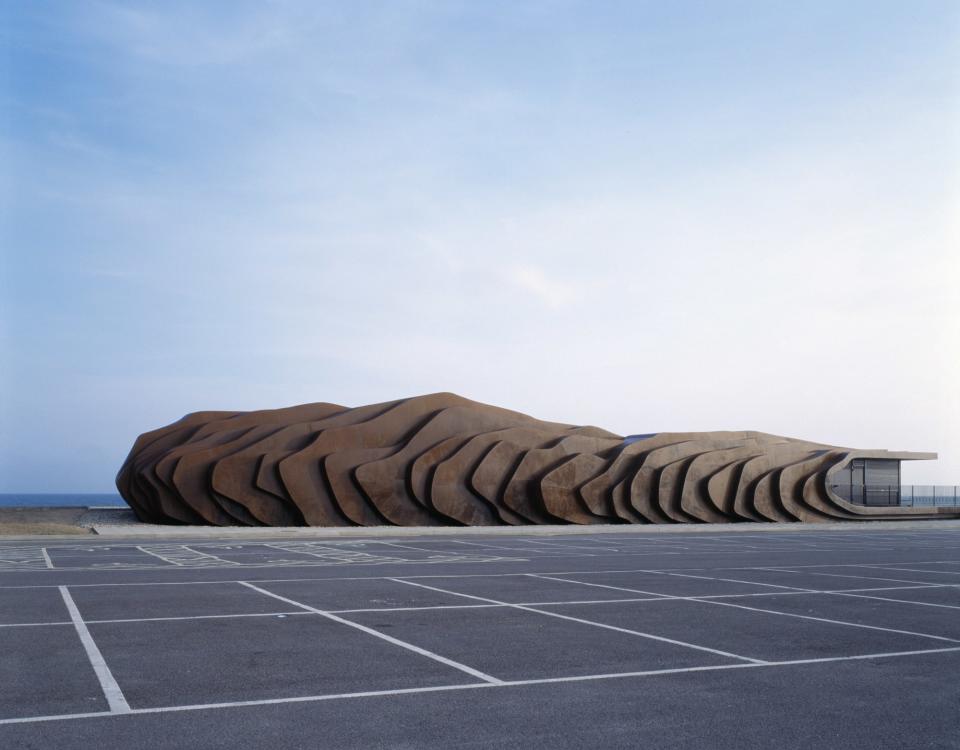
{"points": [[749, 640]]}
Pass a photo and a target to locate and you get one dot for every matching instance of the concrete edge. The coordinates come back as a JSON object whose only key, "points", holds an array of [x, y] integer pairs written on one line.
{"points": [[150, 531]]}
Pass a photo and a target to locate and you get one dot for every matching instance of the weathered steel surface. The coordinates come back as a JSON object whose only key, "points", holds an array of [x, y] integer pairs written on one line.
{"points": [[445, 460]]}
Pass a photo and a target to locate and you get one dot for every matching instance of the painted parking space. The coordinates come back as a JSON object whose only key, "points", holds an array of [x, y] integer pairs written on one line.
{"points": [[148, 602], [242, 629]]}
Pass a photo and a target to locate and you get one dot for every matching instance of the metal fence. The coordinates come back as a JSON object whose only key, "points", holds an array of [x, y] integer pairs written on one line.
{"points": [[921, 495], [907, 495]]}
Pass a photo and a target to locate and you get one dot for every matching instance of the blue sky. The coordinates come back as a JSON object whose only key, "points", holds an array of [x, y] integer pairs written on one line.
{"points": [[644, 215]]}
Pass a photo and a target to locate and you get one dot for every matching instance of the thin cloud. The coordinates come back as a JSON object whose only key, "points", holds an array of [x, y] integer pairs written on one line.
{"points": [[623, 224], [537, 283]]}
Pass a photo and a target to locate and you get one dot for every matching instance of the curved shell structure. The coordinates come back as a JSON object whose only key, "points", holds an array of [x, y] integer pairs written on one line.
{"points": [[442, 459]]}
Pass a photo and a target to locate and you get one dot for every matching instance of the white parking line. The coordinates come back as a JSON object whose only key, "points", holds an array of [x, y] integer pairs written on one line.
{"points": [[729, 580], [183, 556], [841, 575], [913, 570], [830, 565], [111, 690], [565, 545], [649, 636], [889, 599], [383, 636], [626, 600], [160, 557], [528, 550], [673, 571], [205, 555], [773, 611], [332, 554], [475, 686]]}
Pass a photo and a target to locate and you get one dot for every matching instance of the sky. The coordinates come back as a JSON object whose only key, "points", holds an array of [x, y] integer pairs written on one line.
{"points": [[646, 216]]}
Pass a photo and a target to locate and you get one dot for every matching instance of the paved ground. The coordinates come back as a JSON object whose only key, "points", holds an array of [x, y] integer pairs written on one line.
{"points": [[774, 639]]}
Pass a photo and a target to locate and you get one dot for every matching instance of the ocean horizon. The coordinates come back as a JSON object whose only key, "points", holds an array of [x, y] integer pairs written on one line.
{"points": [[51, 500]]}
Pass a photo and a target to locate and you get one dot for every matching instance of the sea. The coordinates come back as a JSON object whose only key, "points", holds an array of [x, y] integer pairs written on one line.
{"points": [[36, 500]]}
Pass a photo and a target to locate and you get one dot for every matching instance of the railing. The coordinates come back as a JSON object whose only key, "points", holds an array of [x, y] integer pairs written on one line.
{"points": [[922, 495], [908, 495]]}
